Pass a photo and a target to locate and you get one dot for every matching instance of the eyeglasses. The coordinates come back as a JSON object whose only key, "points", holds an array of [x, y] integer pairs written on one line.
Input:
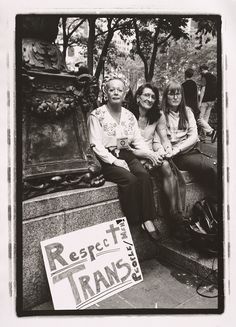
{"points": [[149, 95], [174, 93]]}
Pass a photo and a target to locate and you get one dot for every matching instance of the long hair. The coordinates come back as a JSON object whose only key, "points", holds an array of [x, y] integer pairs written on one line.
{"points": [[154, 113], [183, 118]]}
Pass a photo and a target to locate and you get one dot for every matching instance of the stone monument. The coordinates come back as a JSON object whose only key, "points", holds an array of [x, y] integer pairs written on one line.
{"points": [[56, 154]]}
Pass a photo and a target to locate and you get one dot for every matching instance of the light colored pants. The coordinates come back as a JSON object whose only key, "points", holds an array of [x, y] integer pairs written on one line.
{"points": [[205, 111]]}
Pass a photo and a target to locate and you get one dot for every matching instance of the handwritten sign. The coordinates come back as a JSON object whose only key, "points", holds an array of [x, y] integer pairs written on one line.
{"points": [[89, 265]]}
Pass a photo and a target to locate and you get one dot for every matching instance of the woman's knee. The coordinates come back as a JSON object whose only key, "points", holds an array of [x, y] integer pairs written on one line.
{"points": [[211, 173], [130, 180], [143, 175], [165, 169]]}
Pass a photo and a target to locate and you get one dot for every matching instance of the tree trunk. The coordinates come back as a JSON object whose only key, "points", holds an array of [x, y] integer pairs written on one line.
{"points": [[149, 77], [90, 46], [100, 64], [153, 59], [65, 38], [146, 72]]}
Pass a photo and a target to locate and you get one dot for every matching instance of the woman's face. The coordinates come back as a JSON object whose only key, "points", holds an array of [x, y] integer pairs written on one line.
{"points": [[115, 91], [174, 97], [147, 99]]}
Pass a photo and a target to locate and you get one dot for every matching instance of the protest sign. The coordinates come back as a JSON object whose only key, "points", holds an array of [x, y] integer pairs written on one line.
{"points": [[89, 265]]}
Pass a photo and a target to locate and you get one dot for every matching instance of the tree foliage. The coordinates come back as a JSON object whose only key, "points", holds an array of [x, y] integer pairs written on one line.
{"points": [[206, 30], [69, 32], [105, 36], [154, 33], [98, 44], [162, 43], [181, 55]]}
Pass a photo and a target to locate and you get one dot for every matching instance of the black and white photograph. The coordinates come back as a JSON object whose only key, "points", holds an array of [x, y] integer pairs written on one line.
{"points": [[118, 169], [120, 116]]}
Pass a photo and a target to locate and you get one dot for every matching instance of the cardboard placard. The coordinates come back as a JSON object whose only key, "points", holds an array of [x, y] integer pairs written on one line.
{"points": [[89, 265]]}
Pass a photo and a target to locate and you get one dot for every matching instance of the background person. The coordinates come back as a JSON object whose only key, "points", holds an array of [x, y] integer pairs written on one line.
{"points": [[191, 92], [152, 121], [207, 101], [112, 131]]}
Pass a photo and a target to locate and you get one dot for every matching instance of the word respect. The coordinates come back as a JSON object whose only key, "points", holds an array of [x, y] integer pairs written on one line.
{"points": [[55, 251]]}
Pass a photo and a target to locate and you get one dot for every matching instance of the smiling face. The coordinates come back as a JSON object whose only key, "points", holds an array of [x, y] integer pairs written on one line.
{"points": [[115, 91], [147, 99], [174, 96]]}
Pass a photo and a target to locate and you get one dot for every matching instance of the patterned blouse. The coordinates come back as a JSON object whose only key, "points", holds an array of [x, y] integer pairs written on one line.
{"points": [[104, 132]]}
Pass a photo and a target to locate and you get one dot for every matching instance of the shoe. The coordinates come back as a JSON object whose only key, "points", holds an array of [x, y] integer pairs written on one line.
{"points": [[153, 235], [213, 136]]}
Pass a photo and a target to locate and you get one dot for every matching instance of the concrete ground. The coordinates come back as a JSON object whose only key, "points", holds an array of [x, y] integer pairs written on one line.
{"points": [[163, 287]]}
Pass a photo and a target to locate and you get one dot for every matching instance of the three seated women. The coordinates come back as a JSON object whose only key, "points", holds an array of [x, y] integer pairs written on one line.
{"points": [[132, 146]]}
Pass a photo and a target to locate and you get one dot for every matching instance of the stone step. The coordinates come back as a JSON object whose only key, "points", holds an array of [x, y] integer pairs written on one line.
{"points": [[67, 200], [188, 259]]}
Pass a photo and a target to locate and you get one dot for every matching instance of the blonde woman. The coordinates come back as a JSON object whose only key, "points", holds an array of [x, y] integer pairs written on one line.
{"points": [[116, 140]]}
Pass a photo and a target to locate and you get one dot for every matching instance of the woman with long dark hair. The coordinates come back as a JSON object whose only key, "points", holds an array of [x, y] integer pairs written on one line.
{"points": [[183, 135], [115, 138], [152, 126]]}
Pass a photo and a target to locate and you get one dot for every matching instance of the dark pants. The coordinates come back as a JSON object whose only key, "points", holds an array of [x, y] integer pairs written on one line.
{"points": [[135, 190], [203, 168]]}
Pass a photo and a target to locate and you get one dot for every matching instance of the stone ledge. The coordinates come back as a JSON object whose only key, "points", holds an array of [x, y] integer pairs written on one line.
{"points": [[67, 200]]}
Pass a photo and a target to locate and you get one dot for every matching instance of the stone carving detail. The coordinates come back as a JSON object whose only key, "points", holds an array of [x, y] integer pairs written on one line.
{"points": [[55, 100], [42, 55], [50, 184], [85, 91], [50, 100], [54, 107]]}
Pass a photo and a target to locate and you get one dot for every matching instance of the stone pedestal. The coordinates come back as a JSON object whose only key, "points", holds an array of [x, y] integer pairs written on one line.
{"points": [[56, 153]]}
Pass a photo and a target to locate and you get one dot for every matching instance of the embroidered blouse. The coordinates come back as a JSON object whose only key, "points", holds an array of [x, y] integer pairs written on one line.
{"points": [[104, 132]]}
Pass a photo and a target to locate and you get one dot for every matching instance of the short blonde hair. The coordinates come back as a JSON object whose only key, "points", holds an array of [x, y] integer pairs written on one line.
{"points": [[113, 76]]}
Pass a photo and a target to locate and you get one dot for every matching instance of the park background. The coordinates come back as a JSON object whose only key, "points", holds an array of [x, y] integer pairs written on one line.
{"points": [[152, 49]]}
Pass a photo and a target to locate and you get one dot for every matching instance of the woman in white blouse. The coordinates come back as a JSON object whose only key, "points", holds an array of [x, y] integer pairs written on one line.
{"points": [[116, 140], [152, 125]]}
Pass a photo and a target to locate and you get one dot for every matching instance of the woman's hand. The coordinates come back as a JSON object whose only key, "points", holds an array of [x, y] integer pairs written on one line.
{"points": [[128, 148], [169, 152], [121, 163], [175, 151], [155, 158], [161, 152]]}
